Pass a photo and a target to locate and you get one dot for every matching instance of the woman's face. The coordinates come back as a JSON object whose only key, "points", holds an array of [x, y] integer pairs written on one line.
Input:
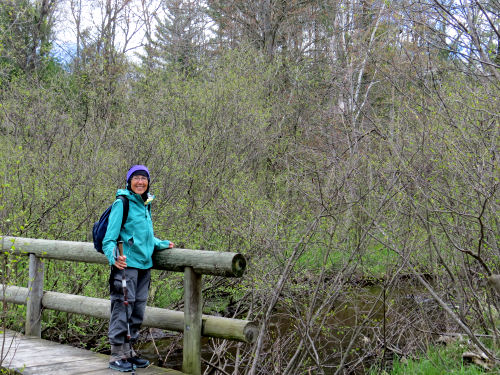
{"points": [[139, 184]]}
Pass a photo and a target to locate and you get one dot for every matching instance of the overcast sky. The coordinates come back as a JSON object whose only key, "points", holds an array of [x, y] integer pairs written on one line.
{"points": [[91, 19]]}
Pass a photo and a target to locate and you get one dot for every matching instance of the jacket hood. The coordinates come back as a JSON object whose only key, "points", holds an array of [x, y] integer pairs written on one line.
{"points": [[131, 195]]}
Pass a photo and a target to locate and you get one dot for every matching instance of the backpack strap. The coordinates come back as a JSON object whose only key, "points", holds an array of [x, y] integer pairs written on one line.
{"points": [[124, 200]]}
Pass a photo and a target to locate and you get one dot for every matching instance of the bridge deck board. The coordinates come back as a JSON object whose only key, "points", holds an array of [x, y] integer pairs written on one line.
{"points": [[33, 356]]}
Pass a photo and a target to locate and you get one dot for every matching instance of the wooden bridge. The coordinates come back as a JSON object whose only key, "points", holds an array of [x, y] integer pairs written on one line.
{"points": [[30, 355], [19, 352]]}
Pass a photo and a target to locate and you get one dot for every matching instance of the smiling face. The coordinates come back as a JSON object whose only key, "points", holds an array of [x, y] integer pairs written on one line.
{"points": [[139, 184]]}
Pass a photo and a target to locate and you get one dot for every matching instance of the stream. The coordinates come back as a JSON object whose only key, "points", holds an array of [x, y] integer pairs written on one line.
{"points": [[362, 311]]}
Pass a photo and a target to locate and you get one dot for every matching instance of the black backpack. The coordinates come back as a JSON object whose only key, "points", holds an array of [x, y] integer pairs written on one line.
{"points": [[100, 227]]}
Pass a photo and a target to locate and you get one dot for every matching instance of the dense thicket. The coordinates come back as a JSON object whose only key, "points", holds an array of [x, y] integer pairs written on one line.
{"points": [[335, 144]]}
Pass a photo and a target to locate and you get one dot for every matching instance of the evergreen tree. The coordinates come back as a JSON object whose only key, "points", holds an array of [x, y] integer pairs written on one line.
{"points": [[179, 36]]}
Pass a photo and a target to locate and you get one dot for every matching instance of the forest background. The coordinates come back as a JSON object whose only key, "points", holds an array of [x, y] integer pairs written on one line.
{"points": [[348, 148]]}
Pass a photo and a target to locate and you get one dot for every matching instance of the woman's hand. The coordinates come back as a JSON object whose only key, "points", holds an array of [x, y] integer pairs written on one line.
{"points": [[121, 262], [171, 245]]}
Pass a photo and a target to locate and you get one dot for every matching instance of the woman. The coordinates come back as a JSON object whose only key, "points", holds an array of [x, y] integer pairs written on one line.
{"points": [[135, 265]]}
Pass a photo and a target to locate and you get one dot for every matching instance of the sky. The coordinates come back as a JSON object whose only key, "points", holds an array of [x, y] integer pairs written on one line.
{"points": [[91, 19]]}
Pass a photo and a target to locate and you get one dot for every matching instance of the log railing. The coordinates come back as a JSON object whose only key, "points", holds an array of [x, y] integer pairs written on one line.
{"points": [[194, 264]]}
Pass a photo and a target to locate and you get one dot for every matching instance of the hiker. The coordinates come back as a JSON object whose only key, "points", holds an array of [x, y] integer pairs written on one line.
{"points": [[129, 296]]}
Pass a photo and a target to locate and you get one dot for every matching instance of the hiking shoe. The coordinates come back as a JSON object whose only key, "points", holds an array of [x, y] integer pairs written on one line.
{"points": [[138, 362], [121, 365]]}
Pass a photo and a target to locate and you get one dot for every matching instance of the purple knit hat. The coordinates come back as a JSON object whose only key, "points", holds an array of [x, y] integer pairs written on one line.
{"points": [[143, 171], [137, 168]]}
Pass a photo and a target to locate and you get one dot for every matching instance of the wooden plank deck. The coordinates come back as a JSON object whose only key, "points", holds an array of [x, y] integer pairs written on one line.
{"points": [[33, 356]]}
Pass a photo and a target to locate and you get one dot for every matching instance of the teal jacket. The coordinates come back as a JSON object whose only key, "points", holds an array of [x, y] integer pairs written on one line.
{"points": [[137, 235]]}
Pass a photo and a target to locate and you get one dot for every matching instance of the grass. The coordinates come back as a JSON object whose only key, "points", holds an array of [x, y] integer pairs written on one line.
{"points": [[437, 361]]}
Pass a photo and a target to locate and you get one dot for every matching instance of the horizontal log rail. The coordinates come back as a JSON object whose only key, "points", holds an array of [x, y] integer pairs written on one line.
{"points": [[194, 264], [212, 326], [203, 262]]}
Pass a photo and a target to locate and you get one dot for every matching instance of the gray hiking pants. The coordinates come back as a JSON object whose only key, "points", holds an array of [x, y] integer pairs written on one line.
{"points": [[138, 282]]}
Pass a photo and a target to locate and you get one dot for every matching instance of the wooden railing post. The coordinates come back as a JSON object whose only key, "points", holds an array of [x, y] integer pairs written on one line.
{"points": [[191, 362], [34, 304], [194, 264]]}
